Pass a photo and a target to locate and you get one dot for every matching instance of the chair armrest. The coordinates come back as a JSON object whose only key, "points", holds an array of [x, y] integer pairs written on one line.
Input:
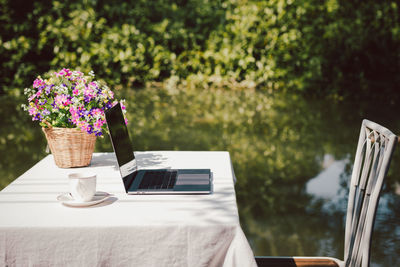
{"points": [[297, 262]]}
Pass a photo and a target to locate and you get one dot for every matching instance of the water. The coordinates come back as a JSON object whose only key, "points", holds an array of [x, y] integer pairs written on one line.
{"points": [[292, 157]]}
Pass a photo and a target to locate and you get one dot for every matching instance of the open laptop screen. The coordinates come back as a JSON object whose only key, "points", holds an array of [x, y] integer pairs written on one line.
{"points": [[119, 135]]}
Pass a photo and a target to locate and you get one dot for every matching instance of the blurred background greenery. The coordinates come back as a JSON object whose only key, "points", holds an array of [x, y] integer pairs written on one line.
{"points": [[281, 85]]}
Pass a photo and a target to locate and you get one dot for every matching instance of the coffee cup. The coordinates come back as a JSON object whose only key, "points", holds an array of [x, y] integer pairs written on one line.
{"points": [[82, 185]]}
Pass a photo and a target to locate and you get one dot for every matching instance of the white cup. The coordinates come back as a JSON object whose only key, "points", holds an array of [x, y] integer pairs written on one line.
{"points": [[82, 185]]}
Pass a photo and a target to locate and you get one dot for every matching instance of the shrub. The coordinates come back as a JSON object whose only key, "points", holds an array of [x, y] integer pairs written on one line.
{"points": [[336, 48]]}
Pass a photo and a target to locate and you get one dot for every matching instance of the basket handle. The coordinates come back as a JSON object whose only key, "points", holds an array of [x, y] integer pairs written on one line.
{"points": [[47, 123]]}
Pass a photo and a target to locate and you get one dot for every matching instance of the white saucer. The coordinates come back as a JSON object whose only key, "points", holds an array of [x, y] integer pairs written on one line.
{"points": [[68, 200]]}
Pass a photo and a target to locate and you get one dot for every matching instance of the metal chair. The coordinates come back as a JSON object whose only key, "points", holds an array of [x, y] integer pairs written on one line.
{"points": [[374, 151]]}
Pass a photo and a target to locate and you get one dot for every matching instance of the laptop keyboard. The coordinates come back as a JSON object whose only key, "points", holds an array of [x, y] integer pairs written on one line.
{"points": [[158, 180]]}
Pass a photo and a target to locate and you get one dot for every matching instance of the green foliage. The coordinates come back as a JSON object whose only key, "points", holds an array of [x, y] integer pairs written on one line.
{"points": [[122, 42], [22, 143], [335, 48]]}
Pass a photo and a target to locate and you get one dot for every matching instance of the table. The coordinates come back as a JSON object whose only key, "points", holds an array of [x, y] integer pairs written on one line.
{"points": [[125, 230]]}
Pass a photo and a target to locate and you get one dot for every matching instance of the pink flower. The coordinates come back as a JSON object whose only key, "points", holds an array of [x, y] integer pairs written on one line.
{"points": [[83, 125], [71, 99], [74, 114], [62, 100], [31, 97], [68, 73], [97, 112], [32, 111], [65, 72], [37, 83], [98, 124], [38, 93], [88, 92]]}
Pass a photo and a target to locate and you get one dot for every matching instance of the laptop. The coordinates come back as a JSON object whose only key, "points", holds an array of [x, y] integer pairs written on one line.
{"points": [[157, 181]]}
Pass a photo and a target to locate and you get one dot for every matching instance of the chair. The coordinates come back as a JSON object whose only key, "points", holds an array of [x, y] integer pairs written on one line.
{"points": [[374, 151]]}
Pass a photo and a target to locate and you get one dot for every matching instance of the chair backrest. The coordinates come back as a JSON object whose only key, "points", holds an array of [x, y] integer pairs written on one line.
{"points": [[374, 151]]}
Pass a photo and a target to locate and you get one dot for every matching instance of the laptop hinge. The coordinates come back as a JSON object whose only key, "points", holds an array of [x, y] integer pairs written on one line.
{"points": [[128, 180]]}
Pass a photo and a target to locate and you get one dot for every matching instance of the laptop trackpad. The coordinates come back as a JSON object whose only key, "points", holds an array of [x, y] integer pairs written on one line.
{"points": [[193, 179]]}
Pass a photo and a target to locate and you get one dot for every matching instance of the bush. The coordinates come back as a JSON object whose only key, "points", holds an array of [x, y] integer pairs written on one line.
{"points": [[336, 48]]}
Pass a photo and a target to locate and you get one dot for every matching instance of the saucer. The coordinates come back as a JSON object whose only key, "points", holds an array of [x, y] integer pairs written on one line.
{"points": [[68, 200]]}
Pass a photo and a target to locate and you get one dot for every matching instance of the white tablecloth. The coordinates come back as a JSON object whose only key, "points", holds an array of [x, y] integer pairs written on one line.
{"points": [[126, 230]]}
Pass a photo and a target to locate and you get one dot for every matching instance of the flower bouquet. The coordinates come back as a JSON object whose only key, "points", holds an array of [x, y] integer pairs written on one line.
{"points": [[70, 106]]}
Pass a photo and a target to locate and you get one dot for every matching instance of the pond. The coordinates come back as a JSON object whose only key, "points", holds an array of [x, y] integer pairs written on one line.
{"points": [[292, 157]]}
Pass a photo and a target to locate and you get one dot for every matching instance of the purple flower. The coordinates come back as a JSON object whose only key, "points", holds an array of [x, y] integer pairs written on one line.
{"points": [[37, 117], [48, 89], [87, 99], [71, 98], [89, 129], [45, 112]]}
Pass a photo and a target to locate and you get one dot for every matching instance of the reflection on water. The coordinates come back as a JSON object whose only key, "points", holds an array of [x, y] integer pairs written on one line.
{"points": [[326, 185], [292, 159]]}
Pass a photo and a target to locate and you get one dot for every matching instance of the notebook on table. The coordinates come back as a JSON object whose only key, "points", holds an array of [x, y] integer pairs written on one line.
{"points": [[146, 181]]}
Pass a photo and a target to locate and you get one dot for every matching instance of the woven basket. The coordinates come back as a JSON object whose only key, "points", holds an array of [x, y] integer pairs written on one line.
{"points": [[70, 146]]}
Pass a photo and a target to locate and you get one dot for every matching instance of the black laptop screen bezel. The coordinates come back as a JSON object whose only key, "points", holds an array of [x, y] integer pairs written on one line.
{"points": [[119, 135]]}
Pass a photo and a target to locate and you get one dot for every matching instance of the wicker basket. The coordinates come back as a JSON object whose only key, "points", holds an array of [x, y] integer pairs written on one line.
{"points": [[70, 146]]}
